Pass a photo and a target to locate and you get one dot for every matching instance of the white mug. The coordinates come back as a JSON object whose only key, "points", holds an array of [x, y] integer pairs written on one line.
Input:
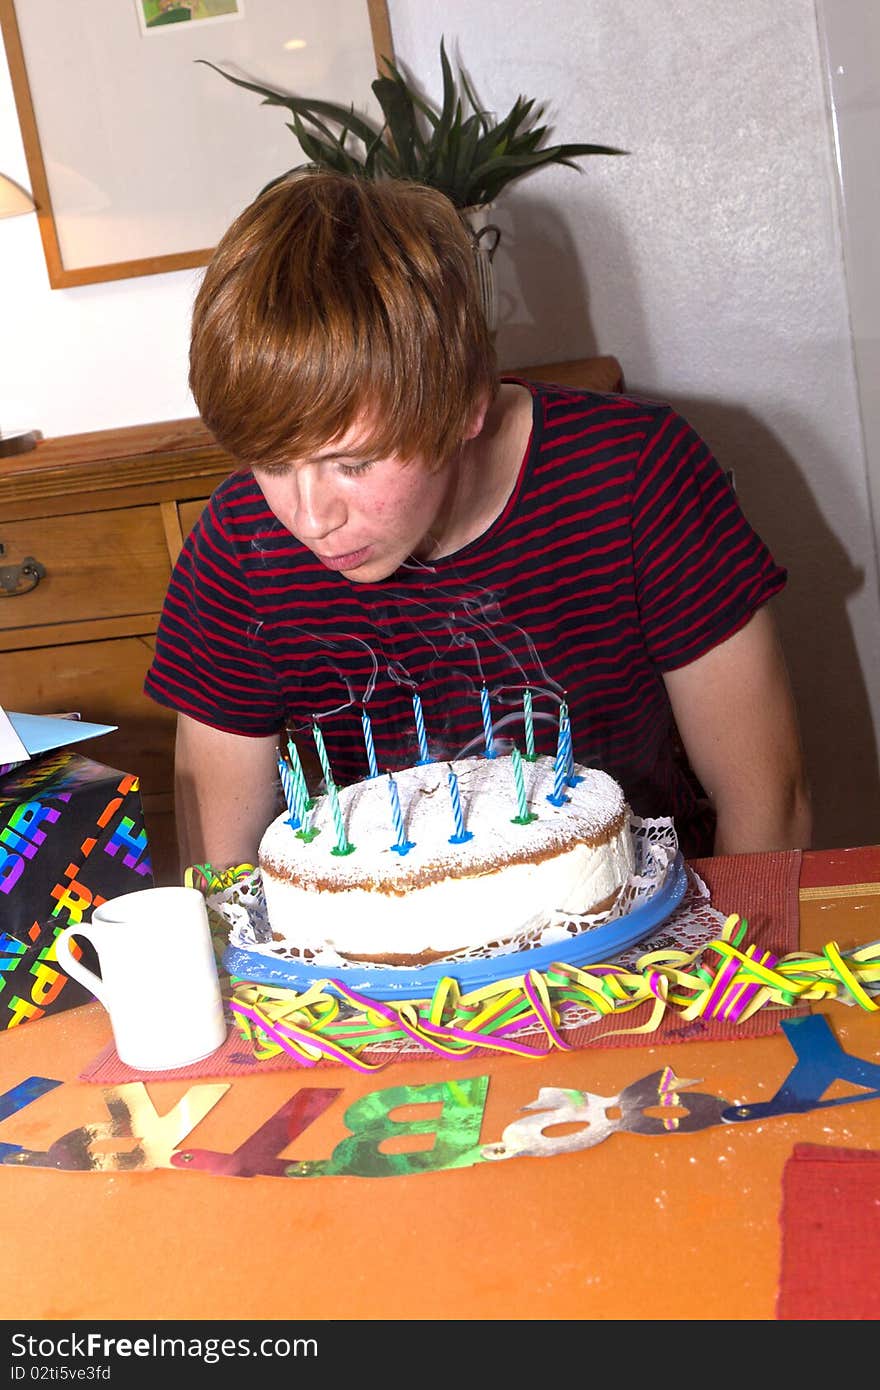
{"points": [[158, 981]]}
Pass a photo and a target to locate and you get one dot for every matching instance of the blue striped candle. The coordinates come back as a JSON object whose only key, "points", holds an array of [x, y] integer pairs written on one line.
{"points": [[343, 844], [563, 728], [557, 797], [290, 796], [461, 835], [322, 754], [487, 722], [402, 845], [368, 742], [529, 726], [424, 755]]}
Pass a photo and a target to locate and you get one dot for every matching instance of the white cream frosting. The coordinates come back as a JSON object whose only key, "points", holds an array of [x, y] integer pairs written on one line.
{"points": [[440, 897]]}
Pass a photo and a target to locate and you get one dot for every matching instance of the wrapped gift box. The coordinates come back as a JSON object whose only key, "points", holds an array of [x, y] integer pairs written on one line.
{"points": [[71, 836]]}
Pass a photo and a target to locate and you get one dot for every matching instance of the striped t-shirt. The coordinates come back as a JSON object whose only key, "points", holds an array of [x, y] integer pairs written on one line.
{"points": [[620, 554]]}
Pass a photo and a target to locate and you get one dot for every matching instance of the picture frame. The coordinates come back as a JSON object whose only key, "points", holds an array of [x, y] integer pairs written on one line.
{"points": [[139, 155]]}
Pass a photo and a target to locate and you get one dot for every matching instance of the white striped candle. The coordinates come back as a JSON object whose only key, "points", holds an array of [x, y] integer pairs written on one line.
{"points": [[461, 835], [487, 722], [402, 845], [322, 754], [424, 755], [570, 776], [368, 743]]}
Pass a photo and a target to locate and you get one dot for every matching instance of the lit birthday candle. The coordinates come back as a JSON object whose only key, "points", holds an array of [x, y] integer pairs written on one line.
{"points": [[461, 835], [557, 797], [299, 776], [322, 754], [529, 725], [343, 844], [368, 741], [424, 755], [524, 816], [290, 794], [402, 845], [487, 722]]}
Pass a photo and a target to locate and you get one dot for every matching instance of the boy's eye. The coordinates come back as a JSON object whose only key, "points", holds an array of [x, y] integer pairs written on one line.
{"points": [[353, 470], [272, 470]]}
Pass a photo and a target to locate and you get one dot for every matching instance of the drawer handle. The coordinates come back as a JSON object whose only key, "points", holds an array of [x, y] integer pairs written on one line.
{"points": [[16, 580]]}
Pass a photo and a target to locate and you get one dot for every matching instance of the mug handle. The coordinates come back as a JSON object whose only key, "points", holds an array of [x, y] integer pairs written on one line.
{"points": [[74, 968]]}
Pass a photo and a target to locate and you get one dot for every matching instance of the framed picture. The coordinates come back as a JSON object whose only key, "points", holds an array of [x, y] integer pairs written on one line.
{"points": [[139, 155], [157, 16]]}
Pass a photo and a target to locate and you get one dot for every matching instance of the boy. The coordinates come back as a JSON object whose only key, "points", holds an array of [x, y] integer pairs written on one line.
{"points": [[403, 522]]}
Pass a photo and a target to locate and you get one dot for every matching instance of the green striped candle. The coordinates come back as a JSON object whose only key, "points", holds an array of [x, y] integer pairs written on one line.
{"points": [[524, 816], [343, 844], [529, 725]]}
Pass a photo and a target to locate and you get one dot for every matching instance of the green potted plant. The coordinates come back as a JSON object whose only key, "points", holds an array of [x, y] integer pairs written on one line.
{"points": [[468, 155]]}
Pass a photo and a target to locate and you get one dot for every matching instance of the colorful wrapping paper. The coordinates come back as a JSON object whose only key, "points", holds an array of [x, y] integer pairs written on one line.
{"points": [[71, 836]]}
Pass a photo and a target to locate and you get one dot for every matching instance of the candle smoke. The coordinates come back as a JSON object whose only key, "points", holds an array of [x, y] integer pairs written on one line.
{"points": [[462, 620]]}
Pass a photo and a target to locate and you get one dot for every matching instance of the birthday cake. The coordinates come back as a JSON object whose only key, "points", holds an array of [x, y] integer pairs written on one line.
{"points": [[445, 859]]}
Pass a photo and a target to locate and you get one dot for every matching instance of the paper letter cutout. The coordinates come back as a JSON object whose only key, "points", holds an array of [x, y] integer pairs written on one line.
{"points": [[821, 1061], [132, 1116], [257, 1156], [457, 1131], [526, 1138], [25, 1093]]}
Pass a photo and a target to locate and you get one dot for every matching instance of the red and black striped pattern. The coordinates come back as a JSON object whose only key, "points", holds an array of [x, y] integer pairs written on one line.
{"points": [[621, 553]]}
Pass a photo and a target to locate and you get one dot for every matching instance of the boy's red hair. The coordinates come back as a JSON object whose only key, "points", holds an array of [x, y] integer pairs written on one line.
{"points": [[333, 299]]}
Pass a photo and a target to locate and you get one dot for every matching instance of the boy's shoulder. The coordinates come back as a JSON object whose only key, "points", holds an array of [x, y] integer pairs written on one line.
{"points": [[624, 401], [562, 413], [234, 512]]}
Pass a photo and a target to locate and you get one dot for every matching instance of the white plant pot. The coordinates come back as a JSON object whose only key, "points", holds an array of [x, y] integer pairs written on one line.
{"points": [[485, 236]]}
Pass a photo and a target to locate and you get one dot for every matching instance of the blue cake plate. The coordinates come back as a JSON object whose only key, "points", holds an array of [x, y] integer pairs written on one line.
{"points": [[394, 981]]}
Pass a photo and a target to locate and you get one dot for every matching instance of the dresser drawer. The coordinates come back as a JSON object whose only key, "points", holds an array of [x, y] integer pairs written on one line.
{"points": [[103, 564], [189, 513]]}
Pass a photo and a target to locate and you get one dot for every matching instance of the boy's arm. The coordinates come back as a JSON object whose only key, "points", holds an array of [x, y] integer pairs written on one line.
{"points": [[736, 715], [226, 790]]}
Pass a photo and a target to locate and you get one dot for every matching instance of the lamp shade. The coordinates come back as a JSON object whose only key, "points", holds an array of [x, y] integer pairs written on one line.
{"points": [[13, 199]]}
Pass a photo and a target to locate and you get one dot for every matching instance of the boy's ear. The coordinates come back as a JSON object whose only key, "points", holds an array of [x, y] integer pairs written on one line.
{"points": [[477, 419]]}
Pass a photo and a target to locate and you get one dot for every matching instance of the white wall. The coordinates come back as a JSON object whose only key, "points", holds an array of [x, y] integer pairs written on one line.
{"points": [[850, 34], [709, 260]]}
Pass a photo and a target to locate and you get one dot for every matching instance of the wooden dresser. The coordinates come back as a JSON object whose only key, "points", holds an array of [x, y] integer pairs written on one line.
{"points": [[90, 526]]}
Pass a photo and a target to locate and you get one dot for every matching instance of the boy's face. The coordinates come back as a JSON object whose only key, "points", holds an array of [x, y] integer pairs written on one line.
{"points": [[363, 519]]}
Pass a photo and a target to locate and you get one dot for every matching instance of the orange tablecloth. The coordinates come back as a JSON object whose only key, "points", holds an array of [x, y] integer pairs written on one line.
{"points": [[678, 1225]]}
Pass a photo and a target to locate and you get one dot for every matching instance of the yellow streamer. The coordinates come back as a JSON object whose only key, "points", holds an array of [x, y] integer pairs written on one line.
{"points": [[734, 988]]}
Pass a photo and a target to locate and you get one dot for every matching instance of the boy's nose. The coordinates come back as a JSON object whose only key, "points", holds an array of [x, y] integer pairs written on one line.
{"points": [[318, 507]]}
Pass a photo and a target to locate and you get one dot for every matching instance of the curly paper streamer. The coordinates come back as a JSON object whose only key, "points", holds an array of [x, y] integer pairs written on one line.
{"points": [[207, 880], [717, 981]]}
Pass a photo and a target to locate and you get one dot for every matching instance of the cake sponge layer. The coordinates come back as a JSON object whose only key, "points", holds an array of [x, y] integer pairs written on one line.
{"points": [[441, 897]]}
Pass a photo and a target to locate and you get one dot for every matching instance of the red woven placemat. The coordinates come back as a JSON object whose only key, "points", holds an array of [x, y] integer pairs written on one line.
{"points": [[830, 1222], [761, 887]]}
